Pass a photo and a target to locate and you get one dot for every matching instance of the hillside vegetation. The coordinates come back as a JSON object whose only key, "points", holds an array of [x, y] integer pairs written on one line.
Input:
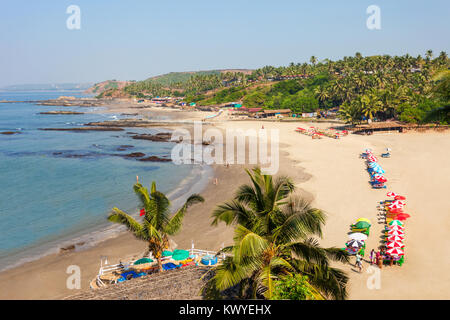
{"points": [[406, 88]]}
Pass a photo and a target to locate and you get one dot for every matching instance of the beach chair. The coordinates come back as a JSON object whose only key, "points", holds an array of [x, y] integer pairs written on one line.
{"points": [[386, 155]]}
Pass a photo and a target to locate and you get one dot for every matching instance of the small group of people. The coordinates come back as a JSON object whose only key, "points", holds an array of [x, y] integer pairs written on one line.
{"points": [[378, 257]]}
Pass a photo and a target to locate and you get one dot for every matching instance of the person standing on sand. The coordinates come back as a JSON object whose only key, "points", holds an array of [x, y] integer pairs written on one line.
{"points": [[372, 256], [358, 262]]}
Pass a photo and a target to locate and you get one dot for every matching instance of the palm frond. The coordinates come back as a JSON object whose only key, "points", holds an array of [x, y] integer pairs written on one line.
{"points": [[118, 216]]}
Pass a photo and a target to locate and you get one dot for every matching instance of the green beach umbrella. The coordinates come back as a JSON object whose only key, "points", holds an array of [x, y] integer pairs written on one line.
{"points": [[180, 255], [395, 223], [166, 253], [362, 224], [142, 261]]}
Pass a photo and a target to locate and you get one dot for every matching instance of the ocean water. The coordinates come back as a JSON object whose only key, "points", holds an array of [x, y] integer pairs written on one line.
{"points": [[57, 187]]}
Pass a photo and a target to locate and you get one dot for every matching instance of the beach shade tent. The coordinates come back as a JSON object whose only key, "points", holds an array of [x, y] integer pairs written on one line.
{"points": [[358, 236], [180, 255], [396, 223], [395, 244], [402, 216], [361, 225], [395, 238], [396, 233], [373, 165], [395, 252], [380, 178], [364, 219], [396, 206], [378, 170], [399, 202], [395, 211], [400, 198], [354, 244], [167, 253], [142, 261], [392, 194], [396, 227]]}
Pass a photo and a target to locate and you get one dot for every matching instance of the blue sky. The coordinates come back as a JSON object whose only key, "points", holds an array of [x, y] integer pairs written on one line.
{"points": [[132, 40]]}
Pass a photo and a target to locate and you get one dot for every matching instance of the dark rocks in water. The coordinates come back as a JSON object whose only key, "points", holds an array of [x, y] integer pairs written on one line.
{"points": [[129, 114], [83, 129], [135, 155], [61, 112], [9, 132], [155, 159], [124, 147], [67, 248], [159, 137]]}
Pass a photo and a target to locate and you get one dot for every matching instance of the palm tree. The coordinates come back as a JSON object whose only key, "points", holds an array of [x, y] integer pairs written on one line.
{"points": [[157, 224], [313, 60], [273, 239]]}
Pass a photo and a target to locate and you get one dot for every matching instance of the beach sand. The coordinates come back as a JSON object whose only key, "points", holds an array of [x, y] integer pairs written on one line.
{"points": [[418, 169], [327, 170]]}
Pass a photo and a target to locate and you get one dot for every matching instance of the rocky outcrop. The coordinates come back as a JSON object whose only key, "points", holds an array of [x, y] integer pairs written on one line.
{"points": [[61, 112], [155, 159], [9, 132], [159, 137], [83, 129]]}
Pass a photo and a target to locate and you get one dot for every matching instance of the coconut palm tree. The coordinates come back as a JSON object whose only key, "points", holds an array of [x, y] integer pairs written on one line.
{"points": [[273, 238], [157, 224]]}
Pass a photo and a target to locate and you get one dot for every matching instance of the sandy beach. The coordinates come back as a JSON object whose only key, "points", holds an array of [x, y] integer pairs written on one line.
{"points": [[327, 170]]}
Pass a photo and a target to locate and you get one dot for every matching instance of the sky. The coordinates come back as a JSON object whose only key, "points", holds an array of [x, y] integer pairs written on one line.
{"points": [[133, 40]]}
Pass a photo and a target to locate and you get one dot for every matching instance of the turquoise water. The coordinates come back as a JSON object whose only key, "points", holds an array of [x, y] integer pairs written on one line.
{"points": [[49, 198]]}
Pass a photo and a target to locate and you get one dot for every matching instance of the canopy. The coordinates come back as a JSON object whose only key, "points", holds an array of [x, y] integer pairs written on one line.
{"points": [[355, 244], [362, 225], [395, 238], [395, 244], [395, 223], [399, 210], [399, 202], [391, 194], [395, 232], [395, 252], [180, 255], [364, 219], [142, 261], [403, 216], [396, 227], [400, 198], [396, 206], [166, 253], [373, 165], [358, 236]]}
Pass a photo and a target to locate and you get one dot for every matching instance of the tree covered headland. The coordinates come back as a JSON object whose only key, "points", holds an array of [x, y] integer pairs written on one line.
{"points": [[405, 88]]}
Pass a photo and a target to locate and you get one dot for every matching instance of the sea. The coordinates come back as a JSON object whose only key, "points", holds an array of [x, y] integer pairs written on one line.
{"points": [[58, 187]]}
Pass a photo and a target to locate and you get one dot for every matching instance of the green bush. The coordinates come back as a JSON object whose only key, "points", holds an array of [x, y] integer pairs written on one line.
{"points": [[295, 287]]}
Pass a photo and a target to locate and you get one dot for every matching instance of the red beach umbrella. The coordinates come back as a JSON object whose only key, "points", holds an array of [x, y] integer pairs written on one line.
{"points": [[395, 244], [396, 210], [381, 179], [399, 202], [395, 239], [392, 194], [400, 198], [396, 206], [395, 252], [403, 216], [396, 233], [396, 227]]}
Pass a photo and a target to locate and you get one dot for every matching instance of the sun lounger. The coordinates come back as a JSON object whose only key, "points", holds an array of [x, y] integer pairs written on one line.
{"points": [[386, 155]]}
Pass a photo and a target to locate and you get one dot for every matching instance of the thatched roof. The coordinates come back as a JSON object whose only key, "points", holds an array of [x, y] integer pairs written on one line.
{"points": [[380, 125], [180, 284]]}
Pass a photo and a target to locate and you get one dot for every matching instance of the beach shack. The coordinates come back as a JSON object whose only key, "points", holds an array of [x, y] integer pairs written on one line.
{"points": [[373, 127], [276, 113]]}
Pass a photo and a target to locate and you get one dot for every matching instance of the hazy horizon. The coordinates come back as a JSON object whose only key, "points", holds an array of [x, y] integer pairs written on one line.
{"points": [[126, 41]]}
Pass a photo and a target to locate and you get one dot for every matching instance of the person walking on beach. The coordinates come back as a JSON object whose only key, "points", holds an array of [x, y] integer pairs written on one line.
{"points": [[372, 256], [358, 262]]}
